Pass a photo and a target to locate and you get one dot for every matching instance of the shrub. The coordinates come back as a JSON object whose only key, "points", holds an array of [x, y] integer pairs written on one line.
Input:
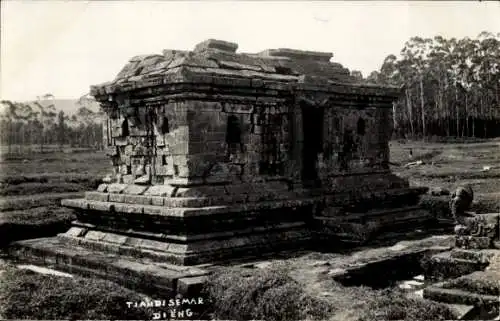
{"points": [[28, 295], [395, 305], [269, 294]]}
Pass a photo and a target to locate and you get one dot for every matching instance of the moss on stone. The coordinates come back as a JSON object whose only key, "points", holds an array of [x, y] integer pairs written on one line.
{"points": [[483, 282]]}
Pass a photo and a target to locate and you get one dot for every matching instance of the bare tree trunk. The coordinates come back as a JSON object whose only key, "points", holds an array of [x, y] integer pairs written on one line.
{"points": [[457, 111], [410, 111], [422, 105], [446, 107], [42, 136], [394, 119], [9, 137], [30, 136], [484, 118], [466, 115], [474, 124]]}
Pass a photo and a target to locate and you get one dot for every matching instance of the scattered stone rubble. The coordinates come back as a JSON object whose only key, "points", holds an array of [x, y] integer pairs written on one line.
{"points": [[217, 154]]}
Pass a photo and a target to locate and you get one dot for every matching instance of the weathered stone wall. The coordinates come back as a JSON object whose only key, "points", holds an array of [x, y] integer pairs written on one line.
{"points": [[216, 142], [231, 142], [148, 144], [355, 140], [215, 116]]}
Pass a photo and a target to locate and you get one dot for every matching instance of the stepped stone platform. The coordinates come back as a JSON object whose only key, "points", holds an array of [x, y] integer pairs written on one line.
{"points": [[469, 274], [141, 274], [198, 230], [217, 155]]}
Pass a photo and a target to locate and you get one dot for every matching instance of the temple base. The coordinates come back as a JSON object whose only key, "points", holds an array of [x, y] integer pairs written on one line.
{"points": [[168, 234], [215, 248], [143, 275]]}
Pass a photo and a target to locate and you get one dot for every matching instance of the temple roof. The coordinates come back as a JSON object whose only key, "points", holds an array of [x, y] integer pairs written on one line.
{"points": [[217, 58]]}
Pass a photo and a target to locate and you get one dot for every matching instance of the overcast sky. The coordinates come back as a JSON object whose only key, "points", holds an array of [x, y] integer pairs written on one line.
{"points": [[63, 47]]}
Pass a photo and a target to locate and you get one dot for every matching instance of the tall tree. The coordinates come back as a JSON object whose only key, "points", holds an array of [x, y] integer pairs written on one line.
{"points": [[61, 128], [451, 85], [47, 115]]}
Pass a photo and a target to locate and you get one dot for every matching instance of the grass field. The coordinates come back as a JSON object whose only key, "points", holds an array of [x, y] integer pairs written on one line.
{"points": [[32, 185], [448, 165]]}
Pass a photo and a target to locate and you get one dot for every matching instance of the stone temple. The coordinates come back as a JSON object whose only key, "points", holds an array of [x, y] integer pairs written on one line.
{"points": [[218, 155]]}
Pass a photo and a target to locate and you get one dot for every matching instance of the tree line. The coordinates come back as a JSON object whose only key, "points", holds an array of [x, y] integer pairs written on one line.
{"points": [[25, 127], [449, 87]]}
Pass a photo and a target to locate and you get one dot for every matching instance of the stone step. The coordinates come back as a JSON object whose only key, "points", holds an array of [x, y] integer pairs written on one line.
{"points": [[196, 252], [419, 278], [443, 266], [463, 312], [480, 282], [401, 213], [352, 226], [143, 275], [472, 255], [243, 196], [43, 270], [456, 296], [150, 200], [185, 238], [412, 285], [392, 215], [473, 242], [182, 212], [184, 201]]}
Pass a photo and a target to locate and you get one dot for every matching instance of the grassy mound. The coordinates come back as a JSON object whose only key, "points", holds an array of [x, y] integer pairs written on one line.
{"points": [[271, 294], [394, 305], [28, 295]]}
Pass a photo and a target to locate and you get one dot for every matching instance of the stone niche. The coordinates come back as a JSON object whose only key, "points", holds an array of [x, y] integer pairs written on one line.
{"points": [[217, 154]]}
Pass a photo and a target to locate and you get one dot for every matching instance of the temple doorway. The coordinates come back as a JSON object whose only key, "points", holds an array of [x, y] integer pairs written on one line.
{"points": [[312, 127]]}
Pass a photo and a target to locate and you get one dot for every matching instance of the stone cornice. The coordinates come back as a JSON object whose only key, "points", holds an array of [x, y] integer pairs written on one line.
{"points": [[214, 68]]}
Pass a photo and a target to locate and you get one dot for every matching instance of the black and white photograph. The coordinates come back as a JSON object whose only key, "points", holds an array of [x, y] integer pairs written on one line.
{"points": [[250, 160]]}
